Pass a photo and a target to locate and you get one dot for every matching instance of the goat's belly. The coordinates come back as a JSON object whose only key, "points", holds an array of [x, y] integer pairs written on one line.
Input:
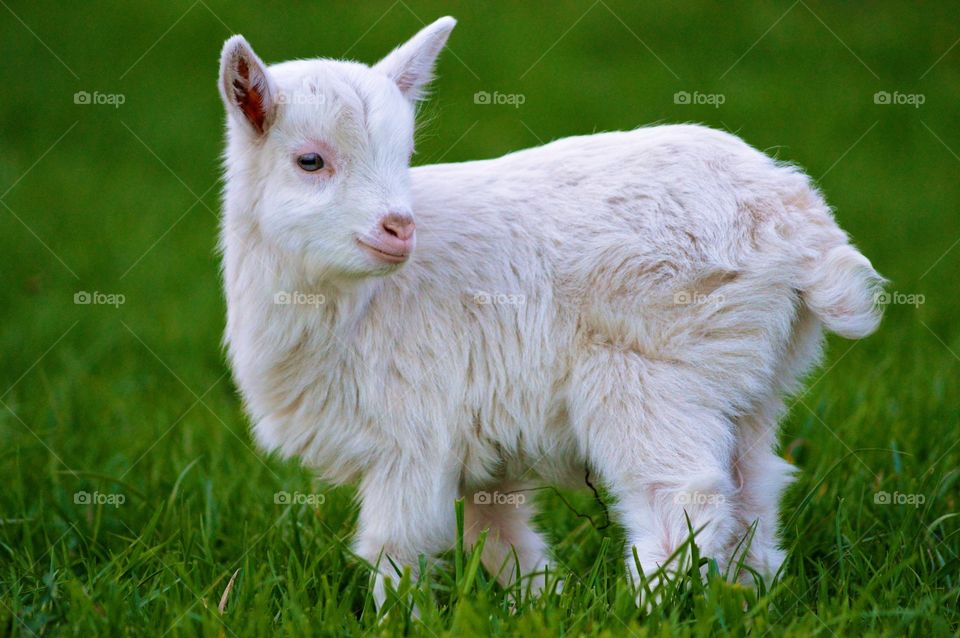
{"points": [[527, 441]]}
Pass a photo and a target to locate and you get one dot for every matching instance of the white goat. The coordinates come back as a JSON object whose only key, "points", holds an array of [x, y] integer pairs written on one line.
{"points": [[636, 303]]}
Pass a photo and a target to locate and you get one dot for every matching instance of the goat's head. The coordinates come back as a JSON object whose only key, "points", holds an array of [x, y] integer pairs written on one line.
{"points": [[318, 153]]}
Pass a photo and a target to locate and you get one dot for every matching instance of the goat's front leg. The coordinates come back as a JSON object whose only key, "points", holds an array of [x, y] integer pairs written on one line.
{"points": [[407, 510]]}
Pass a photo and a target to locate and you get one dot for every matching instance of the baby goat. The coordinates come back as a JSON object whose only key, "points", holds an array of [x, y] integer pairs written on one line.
{"points": [[635, 303]]}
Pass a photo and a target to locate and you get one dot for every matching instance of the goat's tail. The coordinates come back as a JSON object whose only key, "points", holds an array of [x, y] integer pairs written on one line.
{"points": [[845, 292], [837, 283]]}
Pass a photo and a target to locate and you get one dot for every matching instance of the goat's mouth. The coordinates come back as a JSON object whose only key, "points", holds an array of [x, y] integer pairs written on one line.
{"points": [[389, 255]]}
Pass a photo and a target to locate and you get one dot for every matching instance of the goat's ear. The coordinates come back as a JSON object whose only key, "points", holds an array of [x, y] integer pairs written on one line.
{"points": [[411, 64], [245, 85]]}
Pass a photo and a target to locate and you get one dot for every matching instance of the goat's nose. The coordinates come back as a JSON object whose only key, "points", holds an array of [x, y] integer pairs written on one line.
{"points": [[399, 225]]}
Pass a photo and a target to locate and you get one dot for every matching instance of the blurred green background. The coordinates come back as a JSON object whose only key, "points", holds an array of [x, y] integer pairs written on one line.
{"points": [[133, 398]]}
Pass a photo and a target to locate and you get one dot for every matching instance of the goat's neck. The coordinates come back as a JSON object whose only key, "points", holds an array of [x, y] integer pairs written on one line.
{"points": [[323, 306]]}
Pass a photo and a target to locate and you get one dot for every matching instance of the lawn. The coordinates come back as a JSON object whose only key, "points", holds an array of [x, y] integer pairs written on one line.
{"points": [[134, 501]]}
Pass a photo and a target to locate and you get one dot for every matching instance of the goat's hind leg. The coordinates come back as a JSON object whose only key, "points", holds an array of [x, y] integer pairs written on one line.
{"points": [[512, 545], [762, 474], [664, 450], [762, 477]]}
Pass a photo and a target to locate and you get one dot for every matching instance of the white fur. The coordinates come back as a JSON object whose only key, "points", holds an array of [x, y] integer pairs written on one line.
{"points": [[638, 303]]}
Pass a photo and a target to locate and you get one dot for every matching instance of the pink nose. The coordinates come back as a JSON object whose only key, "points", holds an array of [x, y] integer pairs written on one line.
{"points": [[398, 225]]}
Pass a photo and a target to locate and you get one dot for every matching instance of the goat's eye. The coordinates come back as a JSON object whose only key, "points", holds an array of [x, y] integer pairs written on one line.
{"points": [[310, 162]]}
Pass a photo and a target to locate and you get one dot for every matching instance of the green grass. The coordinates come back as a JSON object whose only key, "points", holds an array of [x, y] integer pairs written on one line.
{"points": [[134, 400]]}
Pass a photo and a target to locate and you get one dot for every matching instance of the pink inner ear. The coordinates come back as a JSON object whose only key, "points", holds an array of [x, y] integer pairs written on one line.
{"points": [[248, 97], [406, 80]]}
